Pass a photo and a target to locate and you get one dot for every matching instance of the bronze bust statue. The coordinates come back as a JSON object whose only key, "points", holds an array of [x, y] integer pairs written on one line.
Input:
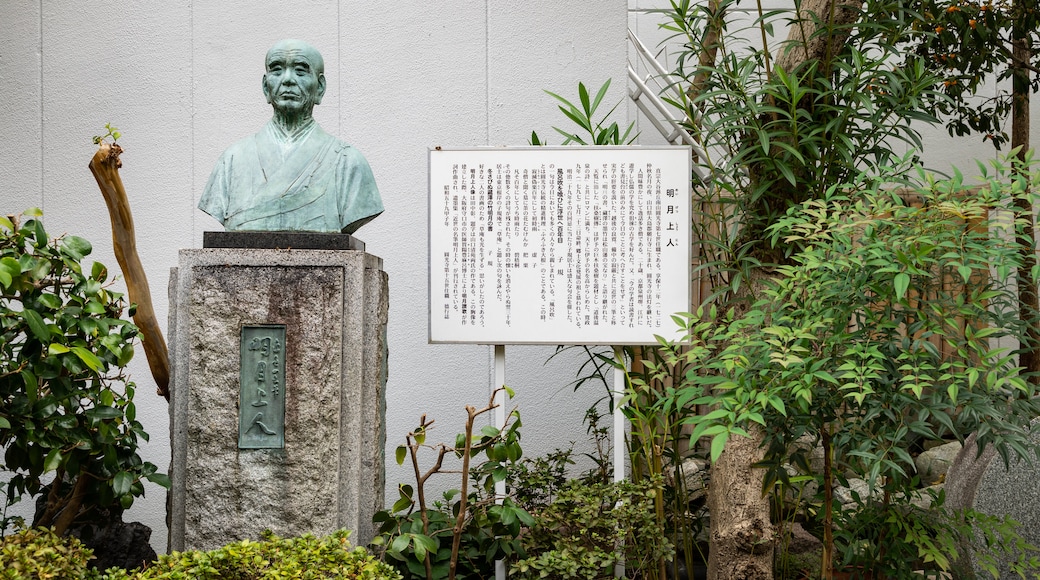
{"points": [[292, 175]]}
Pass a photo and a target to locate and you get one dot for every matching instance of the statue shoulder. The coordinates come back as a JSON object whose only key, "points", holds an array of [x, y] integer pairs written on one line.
{"points": [[244, 146], [349, 154]]}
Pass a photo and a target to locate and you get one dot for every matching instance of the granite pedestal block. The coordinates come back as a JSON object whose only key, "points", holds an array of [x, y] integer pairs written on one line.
{"points": [[331, 306]]}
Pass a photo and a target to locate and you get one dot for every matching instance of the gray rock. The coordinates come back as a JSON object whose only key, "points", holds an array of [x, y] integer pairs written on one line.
{"points": [[933, 464], [117, 544], [794, 539], [694, 473], [844, 494], [981, 482]]}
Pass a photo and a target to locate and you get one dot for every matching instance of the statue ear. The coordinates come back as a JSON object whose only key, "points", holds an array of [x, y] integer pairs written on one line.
{"points": [[267, 92], [321, 88]]}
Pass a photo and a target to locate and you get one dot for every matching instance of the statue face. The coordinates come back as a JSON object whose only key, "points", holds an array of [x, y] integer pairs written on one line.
{"points": [[294, 81]]}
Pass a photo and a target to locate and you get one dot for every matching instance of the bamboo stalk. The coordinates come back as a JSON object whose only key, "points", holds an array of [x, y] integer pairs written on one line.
{"points": [[105, 166]]}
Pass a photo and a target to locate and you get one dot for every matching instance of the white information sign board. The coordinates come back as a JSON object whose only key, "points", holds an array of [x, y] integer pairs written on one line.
{"points": [[558, 245]]}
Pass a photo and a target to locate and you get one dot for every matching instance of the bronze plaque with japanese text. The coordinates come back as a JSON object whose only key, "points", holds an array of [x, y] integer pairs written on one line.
{"points": [[261, 403]]}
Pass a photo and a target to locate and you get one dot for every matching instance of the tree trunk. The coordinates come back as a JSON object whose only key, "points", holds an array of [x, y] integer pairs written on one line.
{"points": [[741, 532], [805, 44], [1028, 302]]}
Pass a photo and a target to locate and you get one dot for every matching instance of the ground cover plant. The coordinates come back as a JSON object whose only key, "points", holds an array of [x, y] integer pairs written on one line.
{"points": [[40, 554]]}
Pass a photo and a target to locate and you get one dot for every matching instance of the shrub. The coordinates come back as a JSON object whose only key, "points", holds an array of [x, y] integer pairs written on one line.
{"points": [[888, 325], [65, 406], [592, 526], [305, 557], [41, 554], [463, 535]]}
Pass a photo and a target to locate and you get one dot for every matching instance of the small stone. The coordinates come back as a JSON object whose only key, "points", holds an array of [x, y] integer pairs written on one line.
{"points": [[694, 472], [844, 494], [933, 464], [794, 539]]}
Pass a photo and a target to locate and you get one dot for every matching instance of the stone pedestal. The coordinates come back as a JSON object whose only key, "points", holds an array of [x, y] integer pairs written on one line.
{"points": [[331, 306]]}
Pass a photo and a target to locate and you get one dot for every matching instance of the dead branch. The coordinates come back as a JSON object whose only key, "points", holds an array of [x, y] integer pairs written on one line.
{"points": [[105, 166]]}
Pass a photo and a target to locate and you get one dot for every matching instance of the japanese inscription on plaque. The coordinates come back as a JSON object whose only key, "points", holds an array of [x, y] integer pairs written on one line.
{"points": [[571, 245], [261, 403]]}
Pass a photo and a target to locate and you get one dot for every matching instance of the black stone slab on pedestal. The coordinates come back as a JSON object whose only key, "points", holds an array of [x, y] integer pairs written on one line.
{"points": [[282, 241]]}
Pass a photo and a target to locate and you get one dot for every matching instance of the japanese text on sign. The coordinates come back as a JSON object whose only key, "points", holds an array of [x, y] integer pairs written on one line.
{"points": [[261, 408], [585, 245]]}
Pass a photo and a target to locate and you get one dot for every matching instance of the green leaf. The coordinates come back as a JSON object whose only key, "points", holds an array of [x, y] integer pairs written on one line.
{"points": [[99, 272], [424, 544], [401, 504], [160, 479], [901, 283], [599, 95], [718, 443], [36, 325], [39, 234], [965, 272], [56, 348], [103, 413], [89, 359], [583, 94], [121, 483], [52, 461], [94, 307], [400, 544], [400, 454], [76, 247], [9, 268], [32, 385], [52, 301], [4, 423]]}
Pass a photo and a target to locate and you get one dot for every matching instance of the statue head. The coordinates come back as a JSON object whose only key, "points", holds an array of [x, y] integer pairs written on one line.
{"points": [[294, 80]]}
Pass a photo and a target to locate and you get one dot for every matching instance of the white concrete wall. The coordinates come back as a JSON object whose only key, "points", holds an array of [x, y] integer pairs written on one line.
{"points": [[181, 80]]}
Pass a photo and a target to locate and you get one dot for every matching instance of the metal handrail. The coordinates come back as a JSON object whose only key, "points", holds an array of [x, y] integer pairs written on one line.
{"points": [[653, 106]]}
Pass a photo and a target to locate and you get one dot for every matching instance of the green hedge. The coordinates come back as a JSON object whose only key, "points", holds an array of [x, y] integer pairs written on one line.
{"points": [[40, 555]]}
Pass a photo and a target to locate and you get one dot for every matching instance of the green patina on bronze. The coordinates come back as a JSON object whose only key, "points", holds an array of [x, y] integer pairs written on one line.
{"points": [[292, 175], [261, 401]]}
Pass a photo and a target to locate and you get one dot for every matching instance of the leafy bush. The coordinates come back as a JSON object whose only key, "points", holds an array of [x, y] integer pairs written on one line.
{"points": [[41, 554], [884, 328], [588, 528], [463, 535], [65, 407], [305, 557]]}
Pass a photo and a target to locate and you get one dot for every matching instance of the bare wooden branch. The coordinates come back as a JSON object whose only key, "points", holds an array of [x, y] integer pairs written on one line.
{"points": [[105, 166]]}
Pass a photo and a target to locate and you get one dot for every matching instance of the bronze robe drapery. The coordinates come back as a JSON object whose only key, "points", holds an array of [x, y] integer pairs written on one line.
{"points": [[315, 183]]}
